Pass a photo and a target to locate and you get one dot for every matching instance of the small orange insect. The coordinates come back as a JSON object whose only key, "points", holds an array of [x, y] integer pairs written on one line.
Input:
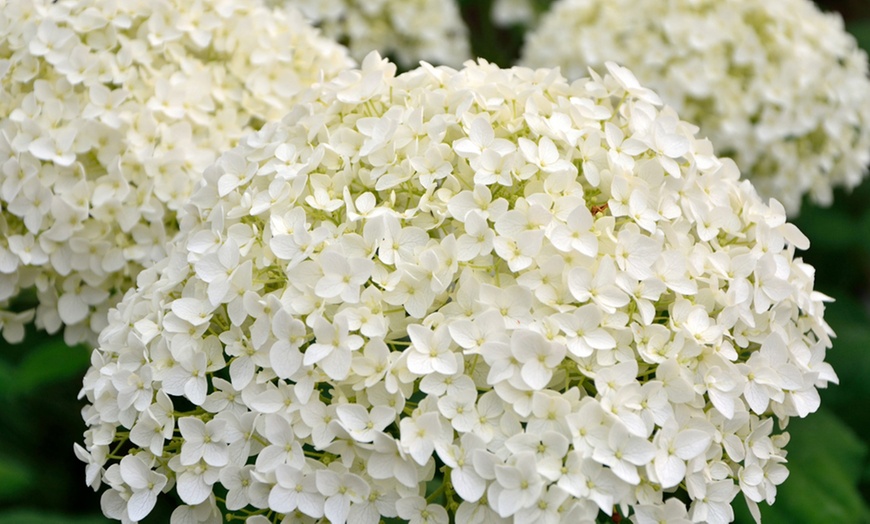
{"points": [[598, 209]]}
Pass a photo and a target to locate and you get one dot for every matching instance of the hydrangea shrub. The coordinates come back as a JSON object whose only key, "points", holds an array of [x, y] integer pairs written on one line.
{"points": [[485, 295], [780, 87], [109, 113], [407, 31]]}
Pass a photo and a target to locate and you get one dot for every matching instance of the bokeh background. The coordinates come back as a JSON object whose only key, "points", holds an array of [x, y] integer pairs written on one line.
{"points": [[42, 482]]}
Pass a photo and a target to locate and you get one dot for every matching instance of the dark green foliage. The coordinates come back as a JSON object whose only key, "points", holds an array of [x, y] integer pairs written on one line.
{"points": [[825, 463], [39, 382]]}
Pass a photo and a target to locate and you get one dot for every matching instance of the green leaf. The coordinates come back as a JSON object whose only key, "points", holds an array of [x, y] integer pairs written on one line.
{"points": [[861, 30], [826, 462], [50, 362], [33, 516], [7, 378], [15, 477], [850, 358], [827, 229]]}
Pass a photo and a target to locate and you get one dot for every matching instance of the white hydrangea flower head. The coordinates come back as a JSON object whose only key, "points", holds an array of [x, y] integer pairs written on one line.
{"points": [[407, 30], [110, 113], [518, 12], [553, 293], [780, 87]]}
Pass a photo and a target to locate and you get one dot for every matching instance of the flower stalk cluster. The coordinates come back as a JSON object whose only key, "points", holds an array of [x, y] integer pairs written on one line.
{"points": [[552, 293], [109, 113]]}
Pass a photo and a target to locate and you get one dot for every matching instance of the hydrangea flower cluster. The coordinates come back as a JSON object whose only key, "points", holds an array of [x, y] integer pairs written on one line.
{"points": [[549, 297], [111, 111], [407, 31], [518, 12], [780, 87]]}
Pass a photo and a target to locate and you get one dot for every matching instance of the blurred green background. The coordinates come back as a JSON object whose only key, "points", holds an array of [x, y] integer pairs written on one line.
{"points": [[42, 482]]}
